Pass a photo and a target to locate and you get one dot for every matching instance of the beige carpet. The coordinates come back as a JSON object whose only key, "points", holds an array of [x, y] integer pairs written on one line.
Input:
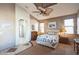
{"points": [[62, 49]]}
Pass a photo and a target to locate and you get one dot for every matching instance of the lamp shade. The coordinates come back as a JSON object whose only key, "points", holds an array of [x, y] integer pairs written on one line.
{"points": [[63, 29]]}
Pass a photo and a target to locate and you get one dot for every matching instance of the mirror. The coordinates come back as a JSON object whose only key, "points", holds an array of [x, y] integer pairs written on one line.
{"points": [[21, 28]]}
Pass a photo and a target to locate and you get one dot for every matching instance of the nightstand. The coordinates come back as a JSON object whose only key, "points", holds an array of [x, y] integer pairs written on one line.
{"points": [[64, 39]]}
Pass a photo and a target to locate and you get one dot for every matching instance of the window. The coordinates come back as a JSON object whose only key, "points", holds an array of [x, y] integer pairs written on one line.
{"points": [[36, 26], [69, 26], [42, 27]]}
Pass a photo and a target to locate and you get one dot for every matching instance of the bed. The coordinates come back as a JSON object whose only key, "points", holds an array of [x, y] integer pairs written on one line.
{"points": [[50, 40]]}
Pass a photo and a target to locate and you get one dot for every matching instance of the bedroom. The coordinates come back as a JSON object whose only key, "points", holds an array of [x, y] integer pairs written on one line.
{"points": [[57, 23], [66, 25]]}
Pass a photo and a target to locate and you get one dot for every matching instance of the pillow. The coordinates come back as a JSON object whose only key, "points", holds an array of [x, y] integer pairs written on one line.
{"points": [[52, 32], [40, 33]]}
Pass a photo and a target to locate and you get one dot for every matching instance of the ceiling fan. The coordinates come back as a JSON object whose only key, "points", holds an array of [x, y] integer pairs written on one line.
{"points": [[43, 8]]}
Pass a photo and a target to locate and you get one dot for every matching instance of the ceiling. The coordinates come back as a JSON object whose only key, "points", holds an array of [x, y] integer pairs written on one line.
{"points": [[60, 9], [44, 5]]}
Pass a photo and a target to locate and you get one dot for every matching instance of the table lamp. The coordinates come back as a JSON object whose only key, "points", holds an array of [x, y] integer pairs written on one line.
{"points": [[62, 30]]}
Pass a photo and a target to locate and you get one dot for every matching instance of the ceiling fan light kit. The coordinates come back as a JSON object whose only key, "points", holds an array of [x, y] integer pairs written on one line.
{"points": [[45, 11]]}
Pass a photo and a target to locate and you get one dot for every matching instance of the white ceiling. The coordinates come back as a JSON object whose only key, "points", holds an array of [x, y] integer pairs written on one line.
{"points": [[60, 9]]}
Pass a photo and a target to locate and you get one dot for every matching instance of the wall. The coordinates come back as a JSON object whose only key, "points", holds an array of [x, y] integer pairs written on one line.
{"points": [[22, 14], [60, 22], [34, 22], [7, 25]]}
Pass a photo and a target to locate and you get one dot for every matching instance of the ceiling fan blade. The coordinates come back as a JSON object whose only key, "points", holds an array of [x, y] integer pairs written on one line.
{"points": [[48, 11], [36, 11]]}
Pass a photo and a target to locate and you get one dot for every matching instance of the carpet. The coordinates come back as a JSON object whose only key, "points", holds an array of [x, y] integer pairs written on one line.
{"points": [[61, 49]]}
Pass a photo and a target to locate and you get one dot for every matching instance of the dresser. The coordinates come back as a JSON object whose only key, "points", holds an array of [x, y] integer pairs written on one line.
{"points": [[34, 35], [64, 39]]}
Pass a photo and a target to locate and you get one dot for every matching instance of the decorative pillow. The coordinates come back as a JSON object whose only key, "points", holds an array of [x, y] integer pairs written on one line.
{"points": [[52, 33]]}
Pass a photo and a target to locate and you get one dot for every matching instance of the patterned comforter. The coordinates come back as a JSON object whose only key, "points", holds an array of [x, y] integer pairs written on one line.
{"points": [[48, 40]]}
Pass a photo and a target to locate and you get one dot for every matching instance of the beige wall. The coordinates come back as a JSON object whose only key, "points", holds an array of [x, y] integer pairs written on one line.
{"points": [[34, 22], [59, 21], [7, 25]]}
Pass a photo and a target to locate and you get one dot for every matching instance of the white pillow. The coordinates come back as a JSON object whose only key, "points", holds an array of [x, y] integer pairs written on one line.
{"points": [[52, 32]]}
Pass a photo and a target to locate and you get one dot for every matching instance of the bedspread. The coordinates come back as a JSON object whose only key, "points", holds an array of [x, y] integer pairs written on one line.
{"points": [[48, 40]]}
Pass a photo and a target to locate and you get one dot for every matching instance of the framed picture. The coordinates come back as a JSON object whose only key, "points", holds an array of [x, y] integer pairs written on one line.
{"points": [[33, 27], [52, 25]]}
